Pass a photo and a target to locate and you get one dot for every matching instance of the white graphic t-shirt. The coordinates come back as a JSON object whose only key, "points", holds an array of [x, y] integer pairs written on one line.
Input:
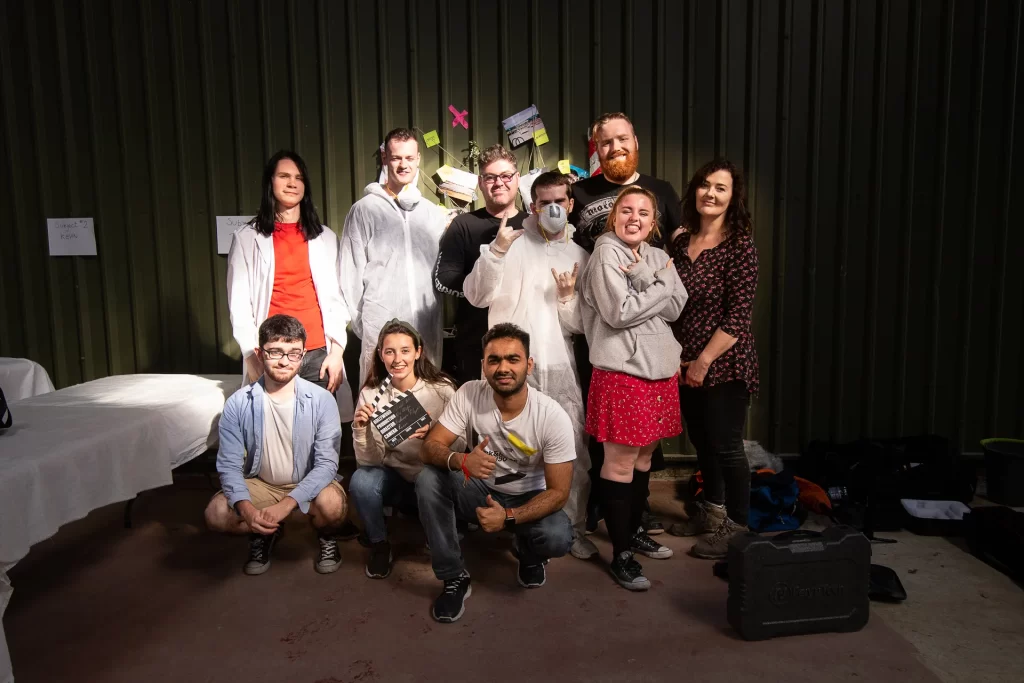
{"points": [[542, 433]]}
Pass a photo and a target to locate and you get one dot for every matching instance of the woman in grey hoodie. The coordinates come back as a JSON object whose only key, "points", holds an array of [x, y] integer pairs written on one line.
{"points": [[631, 292]]}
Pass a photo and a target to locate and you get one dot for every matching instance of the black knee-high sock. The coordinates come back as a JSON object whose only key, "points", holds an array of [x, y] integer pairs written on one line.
{"points": [[616, 506], [639, 490]]}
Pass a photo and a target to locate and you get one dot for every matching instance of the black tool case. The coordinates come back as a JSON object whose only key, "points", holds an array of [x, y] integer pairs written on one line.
{"points": [[799, 582]]}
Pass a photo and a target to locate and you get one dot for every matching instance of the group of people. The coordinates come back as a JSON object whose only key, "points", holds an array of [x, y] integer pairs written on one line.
{"points": [[586, 331]]}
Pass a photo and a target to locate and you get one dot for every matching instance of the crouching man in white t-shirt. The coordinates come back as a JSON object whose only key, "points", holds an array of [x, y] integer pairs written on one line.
{"points": [[517, 477]]}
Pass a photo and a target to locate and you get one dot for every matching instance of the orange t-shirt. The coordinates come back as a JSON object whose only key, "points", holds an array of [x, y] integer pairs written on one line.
{"points": [[294, 293]]}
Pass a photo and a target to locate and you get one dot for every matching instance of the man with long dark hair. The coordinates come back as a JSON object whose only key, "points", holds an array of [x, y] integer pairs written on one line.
{"points": [[388, 249], [284, 261]]}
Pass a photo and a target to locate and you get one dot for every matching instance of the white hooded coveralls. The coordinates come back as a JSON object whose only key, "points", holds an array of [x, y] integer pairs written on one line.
{"points": [[386, 264]]}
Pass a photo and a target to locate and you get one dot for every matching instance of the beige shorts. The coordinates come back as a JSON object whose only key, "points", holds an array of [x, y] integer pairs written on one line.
{"points": [[263, 495]]}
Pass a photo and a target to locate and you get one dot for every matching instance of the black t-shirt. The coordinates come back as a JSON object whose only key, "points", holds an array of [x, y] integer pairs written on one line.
{"points": [[460, 248], [594, 197]]}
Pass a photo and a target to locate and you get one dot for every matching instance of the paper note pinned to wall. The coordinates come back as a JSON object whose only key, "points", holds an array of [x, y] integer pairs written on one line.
{"points": [[226, 225], [71, 236], [431, 138], [564, 167], [457, 176], [540, 136]]}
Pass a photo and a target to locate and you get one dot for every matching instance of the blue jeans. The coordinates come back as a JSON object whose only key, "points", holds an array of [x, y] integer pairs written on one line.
{"points": [[371, 488], [442, 497]]}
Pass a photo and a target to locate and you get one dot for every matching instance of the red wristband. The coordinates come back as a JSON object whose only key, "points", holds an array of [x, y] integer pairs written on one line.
{"points": [[465, 472]]}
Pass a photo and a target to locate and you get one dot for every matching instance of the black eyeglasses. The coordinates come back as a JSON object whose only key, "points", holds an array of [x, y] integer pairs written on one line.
{"points": [[277, 354]]}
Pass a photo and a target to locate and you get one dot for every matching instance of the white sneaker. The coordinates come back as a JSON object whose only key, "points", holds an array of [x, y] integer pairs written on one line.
{"points": [[583, 548]]}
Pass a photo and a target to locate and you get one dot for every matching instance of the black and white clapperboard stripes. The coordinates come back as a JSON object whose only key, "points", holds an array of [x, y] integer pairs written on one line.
{"points": [[398, 420]]}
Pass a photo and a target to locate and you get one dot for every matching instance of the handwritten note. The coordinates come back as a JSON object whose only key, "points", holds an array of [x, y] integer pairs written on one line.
{"points": [[564, 167], [540, 136], [71, 236], [226, 225], [431, 139]]}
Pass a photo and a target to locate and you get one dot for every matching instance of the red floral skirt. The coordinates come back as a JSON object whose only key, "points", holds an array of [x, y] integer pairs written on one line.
{"points": [[632, 411]]}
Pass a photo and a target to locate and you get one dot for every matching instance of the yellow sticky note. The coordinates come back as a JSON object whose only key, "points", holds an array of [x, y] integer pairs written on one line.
{"points": [[540, 136], [563, 167], [431, 138]]}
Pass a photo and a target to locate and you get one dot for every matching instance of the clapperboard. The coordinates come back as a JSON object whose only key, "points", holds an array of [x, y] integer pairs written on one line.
{"points": [[399, 419]]}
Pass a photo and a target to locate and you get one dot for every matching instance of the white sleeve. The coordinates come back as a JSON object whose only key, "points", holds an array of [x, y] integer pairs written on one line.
{"points": [[351, 264], [484, 281], [240, 307], [455, 417], [559, 438], [332, 303]]}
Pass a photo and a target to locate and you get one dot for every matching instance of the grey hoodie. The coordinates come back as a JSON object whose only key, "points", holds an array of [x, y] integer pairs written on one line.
{"points": [[626, 317]]}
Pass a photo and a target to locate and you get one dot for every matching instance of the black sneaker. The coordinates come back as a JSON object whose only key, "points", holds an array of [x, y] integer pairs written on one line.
{"points": [[328, 559], [529, 575], [628, 573], [645, 545], [347, 532], [652, 525], [379, 564], [451, 603], [260, 548]]}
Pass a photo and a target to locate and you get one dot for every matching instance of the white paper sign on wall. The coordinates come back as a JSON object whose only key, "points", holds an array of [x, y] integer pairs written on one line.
{"points": [[71, 236], [226, 225]]}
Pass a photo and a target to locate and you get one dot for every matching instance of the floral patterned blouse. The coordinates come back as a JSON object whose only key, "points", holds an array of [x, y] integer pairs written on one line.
{"points": [[720, 285]]}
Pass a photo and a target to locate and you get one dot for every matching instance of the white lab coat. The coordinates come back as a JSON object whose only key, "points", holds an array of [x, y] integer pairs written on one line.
{"points": [[251, 284], [386, 263], [519, 288]]}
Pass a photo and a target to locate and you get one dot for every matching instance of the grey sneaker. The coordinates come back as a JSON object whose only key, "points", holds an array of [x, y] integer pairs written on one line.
{"points": [[583, 548], [705, 520], [715, 546]]}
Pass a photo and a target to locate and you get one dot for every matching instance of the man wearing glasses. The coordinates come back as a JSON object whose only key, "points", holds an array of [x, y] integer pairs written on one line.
{"points": [[460, 248], [279, 440]]}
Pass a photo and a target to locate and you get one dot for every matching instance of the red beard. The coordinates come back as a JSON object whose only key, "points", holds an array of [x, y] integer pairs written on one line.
{"points": [[621, 169]]}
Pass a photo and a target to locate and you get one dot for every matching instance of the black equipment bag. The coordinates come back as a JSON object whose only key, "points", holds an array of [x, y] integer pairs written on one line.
{"points": [[799, 582]]}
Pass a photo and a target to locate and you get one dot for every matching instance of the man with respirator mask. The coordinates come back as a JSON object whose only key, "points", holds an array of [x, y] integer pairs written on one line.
{"points": [[527, 277], [387, 254]]}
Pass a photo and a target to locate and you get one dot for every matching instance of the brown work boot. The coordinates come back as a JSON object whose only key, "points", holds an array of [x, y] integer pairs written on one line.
{"points": [[705, 520], [715, 546]]}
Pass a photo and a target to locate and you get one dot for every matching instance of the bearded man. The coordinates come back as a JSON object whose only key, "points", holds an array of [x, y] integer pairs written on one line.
{"points": [[619, 152]]}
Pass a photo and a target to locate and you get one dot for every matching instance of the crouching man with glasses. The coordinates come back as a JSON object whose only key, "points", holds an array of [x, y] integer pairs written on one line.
{"points": [[279, 442]]}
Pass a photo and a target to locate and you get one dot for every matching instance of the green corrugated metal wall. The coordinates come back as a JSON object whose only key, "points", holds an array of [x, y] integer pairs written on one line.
{"points": [[878, 136]]}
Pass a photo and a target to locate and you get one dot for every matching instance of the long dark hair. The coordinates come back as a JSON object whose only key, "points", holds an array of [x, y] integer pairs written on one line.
{"points": [[309, 221], [424, 369], [737, 217]]}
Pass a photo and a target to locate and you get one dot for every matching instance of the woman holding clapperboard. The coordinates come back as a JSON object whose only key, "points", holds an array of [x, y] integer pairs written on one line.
{"points": [[386, 473]]}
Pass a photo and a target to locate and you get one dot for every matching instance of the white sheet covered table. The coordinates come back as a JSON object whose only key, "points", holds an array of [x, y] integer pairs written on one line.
{"points": [[23, 378], [81, 448]]}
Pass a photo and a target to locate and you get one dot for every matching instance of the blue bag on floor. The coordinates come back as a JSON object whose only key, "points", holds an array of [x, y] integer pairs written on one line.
{"points": [[774, 502]]}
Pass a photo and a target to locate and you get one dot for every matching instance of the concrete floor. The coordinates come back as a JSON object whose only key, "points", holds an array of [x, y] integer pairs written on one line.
{"points": [[167, 602]]}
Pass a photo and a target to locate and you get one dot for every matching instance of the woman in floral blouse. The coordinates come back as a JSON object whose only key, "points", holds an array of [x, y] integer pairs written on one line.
{"points": [[717, 262]]}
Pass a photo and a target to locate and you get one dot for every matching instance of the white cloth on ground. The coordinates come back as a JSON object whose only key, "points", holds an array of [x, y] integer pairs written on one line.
{"points": [[386, 264]]}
